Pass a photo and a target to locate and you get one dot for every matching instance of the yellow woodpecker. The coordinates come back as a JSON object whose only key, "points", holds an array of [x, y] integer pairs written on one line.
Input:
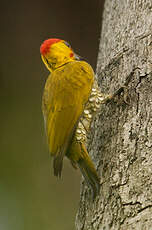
{"points": [[70, 98]]}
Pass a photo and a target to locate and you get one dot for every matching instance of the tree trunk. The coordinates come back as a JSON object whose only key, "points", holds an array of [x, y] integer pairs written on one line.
{"points": [[121, 135]]}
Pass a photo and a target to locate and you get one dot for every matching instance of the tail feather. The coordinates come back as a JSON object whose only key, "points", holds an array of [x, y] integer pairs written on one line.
{"points": [[89, 173], [58, 160], [57, 165], [79, 156]]}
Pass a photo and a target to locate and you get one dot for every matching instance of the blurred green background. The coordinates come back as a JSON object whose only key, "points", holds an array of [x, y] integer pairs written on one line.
{"points": [[31, 198]]}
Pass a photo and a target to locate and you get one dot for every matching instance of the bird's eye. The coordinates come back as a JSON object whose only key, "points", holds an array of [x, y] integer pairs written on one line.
{"points": [[67, 44]]}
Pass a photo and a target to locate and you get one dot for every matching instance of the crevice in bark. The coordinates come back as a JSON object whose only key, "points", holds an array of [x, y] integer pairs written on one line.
{"points": [[144, 208]]}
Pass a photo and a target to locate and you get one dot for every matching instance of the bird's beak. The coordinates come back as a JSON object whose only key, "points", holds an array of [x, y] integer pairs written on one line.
{"points": [[77, 57]]}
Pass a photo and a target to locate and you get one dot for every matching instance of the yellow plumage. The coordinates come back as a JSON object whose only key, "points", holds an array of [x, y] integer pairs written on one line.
{"points": [[66, 93]]}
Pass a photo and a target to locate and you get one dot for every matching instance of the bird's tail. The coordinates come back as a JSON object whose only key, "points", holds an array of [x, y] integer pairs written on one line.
{"points": [[80, 156]]}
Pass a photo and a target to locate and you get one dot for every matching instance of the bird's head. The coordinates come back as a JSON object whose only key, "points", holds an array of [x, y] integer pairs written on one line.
{"points": [[56, 52]]}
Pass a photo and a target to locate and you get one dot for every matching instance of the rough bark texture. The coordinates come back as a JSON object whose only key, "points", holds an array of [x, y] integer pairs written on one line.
{"points": [[121, 136]]}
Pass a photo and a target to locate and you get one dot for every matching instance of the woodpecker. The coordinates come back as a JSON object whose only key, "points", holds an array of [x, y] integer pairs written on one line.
{"points": [[70, 100]]}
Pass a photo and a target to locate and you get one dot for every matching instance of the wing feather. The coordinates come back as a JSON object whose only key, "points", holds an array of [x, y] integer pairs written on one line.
{"points": [[65, 95]]}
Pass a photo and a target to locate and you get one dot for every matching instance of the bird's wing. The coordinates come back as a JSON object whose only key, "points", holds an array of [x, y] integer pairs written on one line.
{"points": [[65, 94]]}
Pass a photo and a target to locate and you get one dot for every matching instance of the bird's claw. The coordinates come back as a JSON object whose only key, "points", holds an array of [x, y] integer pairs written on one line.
{"points": [[110, 97]]}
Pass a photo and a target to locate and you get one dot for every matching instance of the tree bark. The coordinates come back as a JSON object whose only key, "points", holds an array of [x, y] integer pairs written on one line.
{"points": [[120, 141]]}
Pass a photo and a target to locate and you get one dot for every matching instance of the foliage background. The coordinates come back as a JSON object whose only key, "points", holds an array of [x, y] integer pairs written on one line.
{"points": [[30, 196]]}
